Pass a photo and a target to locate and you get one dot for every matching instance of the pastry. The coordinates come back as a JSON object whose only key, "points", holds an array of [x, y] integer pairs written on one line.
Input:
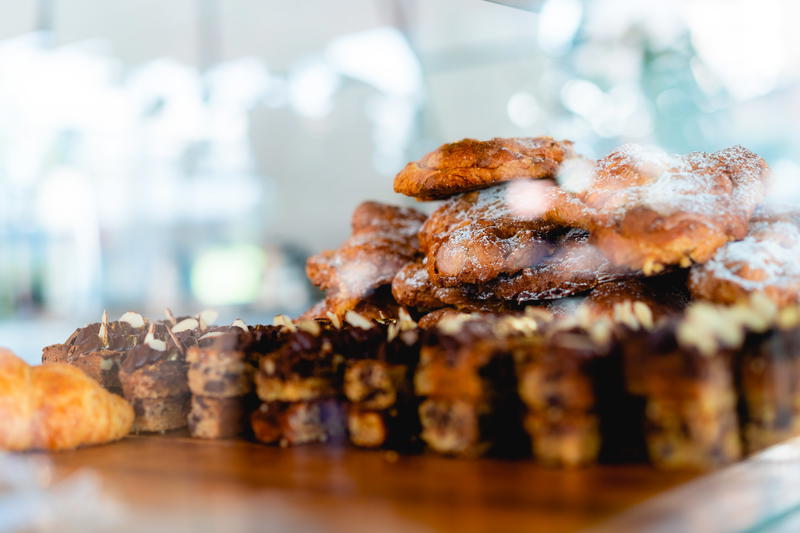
{"points": [[475, 237], [467, 388], [302, 422], [555, 384], [56, 407], [651, 298], [378, 386], [682, 368], [413, 288], [469, 164], [574, 267], [647, 209], [768, 373], [100, 348], [153, 378], [221, 377], [212, 417], [383, 239], [766, 261]]}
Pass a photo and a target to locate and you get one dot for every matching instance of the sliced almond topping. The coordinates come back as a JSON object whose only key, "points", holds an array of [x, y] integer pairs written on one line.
{"points": [[152, 342], [789, 318], [211, 335], [309, 326], [358, 321], [453, 324], [285, 321], [643, 314], [239, 323], [537, 313], [103, 334], [176, 341], [404, 320], [334, 318], [623, 313], [392, 331], [207, 318], [185, 325], [134, 319]]}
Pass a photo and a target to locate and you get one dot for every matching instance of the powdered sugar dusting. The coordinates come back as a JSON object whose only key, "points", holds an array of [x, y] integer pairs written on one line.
{"points": [[698, 183], [767, 259]]}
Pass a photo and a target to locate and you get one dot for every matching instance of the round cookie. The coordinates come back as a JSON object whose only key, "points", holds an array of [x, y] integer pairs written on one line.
{"points": [[470, 164]]}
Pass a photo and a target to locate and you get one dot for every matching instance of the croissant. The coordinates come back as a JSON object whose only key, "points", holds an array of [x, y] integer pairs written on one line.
{"points": [[56, 407]]}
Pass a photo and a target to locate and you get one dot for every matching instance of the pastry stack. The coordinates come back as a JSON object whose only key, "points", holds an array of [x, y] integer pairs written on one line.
{"points": [[220, 377], [378, 382], [299, 387], [153, 378]]}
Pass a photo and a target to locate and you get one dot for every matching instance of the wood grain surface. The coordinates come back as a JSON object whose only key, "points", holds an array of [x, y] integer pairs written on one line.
{"points": [[175, 483]]}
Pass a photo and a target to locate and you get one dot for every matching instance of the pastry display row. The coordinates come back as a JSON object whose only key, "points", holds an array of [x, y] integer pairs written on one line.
{"points": [[642, 307]]}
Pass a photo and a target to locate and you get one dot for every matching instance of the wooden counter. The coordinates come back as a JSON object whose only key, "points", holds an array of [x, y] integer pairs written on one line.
{"points": [[177, 483]]}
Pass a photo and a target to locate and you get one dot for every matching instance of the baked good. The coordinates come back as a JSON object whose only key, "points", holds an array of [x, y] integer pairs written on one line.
{"points": [[153, 378], [212, 417], [647, 209], [378, 305], [475, 237], [56, 407], [161, 413], [413, 288], [467, 388], [555, 384], [682, 367], [301, 422], [766, 261], [100, 348], [768, 375], [221, 375], [469, 164], [574, 267], [639, 299], [378, 385], [383, 239], [298, 384]]}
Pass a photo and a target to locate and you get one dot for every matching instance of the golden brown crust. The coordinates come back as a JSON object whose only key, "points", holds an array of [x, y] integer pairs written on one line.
{"points": [[647, 209], [56, 407], [380, 305], [574, 267], [469, 164], [413, 288], [384, 238], [663, 295], [766, 261], [478, 236]]}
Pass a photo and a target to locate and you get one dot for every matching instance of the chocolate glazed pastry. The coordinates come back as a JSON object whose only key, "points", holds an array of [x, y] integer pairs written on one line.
{"points": [[153, 379], [298, 385], [768, 375], [688, 389], [378, 385], [221, 378], [467, 386], [99, 349], [556, 385]]}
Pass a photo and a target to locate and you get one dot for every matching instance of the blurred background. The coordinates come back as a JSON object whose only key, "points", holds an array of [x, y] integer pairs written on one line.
{"points": [[193, 153]]}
